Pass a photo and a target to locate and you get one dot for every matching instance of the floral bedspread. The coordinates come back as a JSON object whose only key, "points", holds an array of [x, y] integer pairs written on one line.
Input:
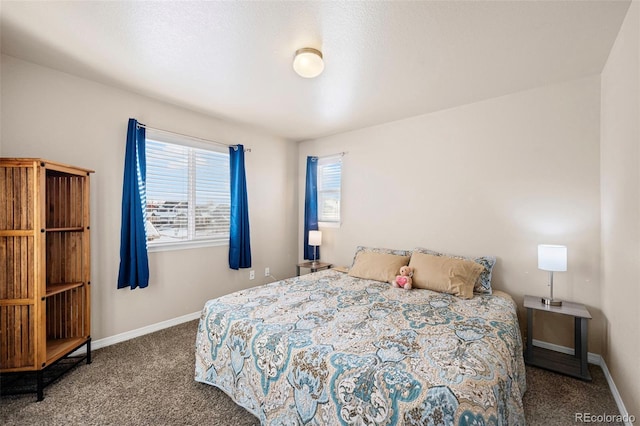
{"points": [[329, 349]]}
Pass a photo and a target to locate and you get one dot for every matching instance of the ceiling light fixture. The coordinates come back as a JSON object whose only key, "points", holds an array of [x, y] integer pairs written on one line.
{"points": [[308, 62]]}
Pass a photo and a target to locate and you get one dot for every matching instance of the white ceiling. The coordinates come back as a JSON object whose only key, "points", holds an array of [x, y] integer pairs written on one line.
{"points": [[383, 60]]}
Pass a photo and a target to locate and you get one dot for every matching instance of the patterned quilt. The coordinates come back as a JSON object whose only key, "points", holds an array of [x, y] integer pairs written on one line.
{"points": [[329, 349]]}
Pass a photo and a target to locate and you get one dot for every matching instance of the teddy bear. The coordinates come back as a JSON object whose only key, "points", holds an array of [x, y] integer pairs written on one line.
{"points": [[404, 279]]}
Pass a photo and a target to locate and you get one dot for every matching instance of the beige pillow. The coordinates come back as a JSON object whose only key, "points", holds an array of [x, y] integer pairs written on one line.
{"points": [[445, 274], [377, 266]]}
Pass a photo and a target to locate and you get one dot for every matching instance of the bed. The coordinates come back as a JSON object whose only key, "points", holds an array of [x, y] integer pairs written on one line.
{"points": [[328, 348]]}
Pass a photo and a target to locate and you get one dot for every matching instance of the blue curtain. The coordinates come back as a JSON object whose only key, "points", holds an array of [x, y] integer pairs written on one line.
{"points": [[239, 241], [311, 206], [134, 262]]}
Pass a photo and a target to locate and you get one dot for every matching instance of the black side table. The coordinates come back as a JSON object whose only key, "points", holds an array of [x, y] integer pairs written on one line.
{"points": [[571, 365], [312, 266]]}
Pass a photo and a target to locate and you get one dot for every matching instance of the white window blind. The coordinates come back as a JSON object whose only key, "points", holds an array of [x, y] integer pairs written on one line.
{"points": [[329, 182], [188, 194]]}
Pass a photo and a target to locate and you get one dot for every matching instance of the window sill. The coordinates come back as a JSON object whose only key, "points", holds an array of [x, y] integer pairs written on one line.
{"points": [[185, 245], [329, 224]]}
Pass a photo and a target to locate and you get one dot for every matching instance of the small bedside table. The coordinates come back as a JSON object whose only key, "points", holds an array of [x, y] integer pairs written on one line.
{"points": [[571, 365], [318, 266]]}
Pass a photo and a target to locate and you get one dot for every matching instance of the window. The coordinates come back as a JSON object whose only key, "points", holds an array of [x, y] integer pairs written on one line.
{"points": [[329, 180], [188, 193]]}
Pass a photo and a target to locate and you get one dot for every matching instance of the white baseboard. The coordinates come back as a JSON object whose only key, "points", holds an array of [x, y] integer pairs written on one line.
{"points": [[591, 357], [615, 393], [597, 360], [127, 335]]}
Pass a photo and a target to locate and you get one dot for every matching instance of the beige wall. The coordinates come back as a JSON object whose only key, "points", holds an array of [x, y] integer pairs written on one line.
{"points": [[496, 178], [59, 117], [620, 181]]}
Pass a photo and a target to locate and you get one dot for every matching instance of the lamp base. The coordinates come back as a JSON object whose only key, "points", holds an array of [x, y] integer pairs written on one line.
{"points": [[551, 302]]}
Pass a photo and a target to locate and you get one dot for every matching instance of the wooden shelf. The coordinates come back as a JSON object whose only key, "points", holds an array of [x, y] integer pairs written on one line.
{"points": [[57, 348], [558, 362], [567, 308], [70, 229], [16, 232], [61, 288]]}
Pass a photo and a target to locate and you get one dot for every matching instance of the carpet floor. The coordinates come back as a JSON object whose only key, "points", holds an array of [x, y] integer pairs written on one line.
{"points": [[149, 381]]}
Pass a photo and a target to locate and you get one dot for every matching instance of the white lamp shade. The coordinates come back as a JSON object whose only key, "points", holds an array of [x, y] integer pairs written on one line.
{"points": [[308, 62], [552, 258], [315, 238]]}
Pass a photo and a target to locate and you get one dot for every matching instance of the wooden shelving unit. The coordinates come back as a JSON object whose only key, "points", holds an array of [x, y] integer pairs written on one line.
{"points": [[45, 281]]}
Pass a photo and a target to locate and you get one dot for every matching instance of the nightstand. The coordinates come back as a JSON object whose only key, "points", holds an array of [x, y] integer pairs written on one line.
{"points": [[313, 267], [571, 365]]}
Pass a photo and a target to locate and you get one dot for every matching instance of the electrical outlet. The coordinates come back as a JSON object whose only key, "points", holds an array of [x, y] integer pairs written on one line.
{"points": [[267, 272], [252, 274]]}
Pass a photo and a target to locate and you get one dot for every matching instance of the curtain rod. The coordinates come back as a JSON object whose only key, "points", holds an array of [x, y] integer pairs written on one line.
{"points": [[341, 154], [192, 137]]}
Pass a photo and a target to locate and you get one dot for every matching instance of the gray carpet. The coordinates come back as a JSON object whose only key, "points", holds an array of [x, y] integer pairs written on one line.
{"points": [[149, 381]]}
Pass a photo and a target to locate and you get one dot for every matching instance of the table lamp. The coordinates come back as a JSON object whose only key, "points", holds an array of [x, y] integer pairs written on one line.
{"points": [[315, 240], [552, 258]]}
